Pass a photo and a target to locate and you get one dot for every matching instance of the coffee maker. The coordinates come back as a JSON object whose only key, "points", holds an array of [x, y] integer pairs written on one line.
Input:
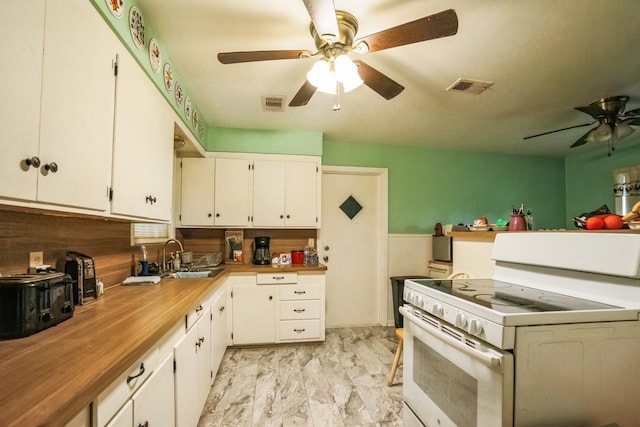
{"points": [[261, 252]]}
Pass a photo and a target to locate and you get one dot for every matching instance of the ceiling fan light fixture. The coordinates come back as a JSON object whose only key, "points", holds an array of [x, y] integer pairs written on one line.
{"points": [[602, 133], [323, 77], [622, 130], [347, 73]]}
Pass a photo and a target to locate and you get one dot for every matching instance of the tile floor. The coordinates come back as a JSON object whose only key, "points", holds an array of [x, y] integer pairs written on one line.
{"points": [[341, 382]]}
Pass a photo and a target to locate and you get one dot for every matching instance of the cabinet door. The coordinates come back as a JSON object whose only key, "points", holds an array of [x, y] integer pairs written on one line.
{"points": [[232, 193], [22, 35], [268, 193], [218, 331], [186, 380], [301, 194], [203, 352], [197, 202], [154, 404], [124, 417], [78, 90], [143, 146], [254, 311]]}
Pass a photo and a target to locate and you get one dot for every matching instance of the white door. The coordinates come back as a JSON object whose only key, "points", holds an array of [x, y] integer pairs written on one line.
{"points": [[352, 242]]}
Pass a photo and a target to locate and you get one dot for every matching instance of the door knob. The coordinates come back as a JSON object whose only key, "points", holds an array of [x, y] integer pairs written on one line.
{"points": [[326, 248], [325, 258]]}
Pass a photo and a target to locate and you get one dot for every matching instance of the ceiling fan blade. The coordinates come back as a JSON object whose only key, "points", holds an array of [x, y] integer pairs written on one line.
{"points": [[592, 110], [558, 130], [582, 140], [441, 24], [633, 122], [635, 112], [323, 17], [260, 55], [304, 95], [377, 81]]}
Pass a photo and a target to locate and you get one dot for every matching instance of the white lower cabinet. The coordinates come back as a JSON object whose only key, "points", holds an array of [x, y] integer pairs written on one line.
{"points": [[254, 310], [278, 307], [152, 404], [193, 369], [219, 330]]}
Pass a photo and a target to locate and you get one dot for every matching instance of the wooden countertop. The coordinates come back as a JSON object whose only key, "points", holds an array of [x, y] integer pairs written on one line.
{"points": [[49, 377]]}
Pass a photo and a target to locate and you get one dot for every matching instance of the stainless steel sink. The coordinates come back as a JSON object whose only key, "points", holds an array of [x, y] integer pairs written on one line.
{"points": [[195, 273]]}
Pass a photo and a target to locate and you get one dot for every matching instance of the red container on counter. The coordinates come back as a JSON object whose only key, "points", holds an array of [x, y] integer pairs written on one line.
{"points": [[297, 257]]}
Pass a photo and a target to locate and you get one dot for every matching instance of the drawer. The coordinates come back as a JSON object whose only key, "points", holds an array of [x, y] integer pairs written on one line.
{"points": [[304, 309], [111, 400], [276, 278], [299, 329], [194, 315], [298, 292]]}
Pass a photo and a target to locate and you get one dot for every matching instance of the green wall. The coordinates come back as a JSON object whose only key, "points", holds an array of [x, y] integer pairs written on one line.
{"points": [[264, 141], [429, 185], [589, 176]]}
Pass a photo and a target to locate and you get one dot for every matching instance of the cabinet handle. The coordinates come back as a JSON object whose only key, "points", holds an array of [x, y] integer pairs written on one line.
{"points": [[299, 330], [32, 161], [151, 199], [277, 277], [299, 292], [145, 424], [201, 340], [52, 167], [299, 310], [140, 372], [221, 309]]}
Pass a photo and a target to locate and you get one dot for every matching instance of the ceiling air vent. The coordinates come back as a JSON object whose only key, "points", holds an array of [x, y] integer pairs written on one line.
{"points": [[273, 103], [474, 87]]}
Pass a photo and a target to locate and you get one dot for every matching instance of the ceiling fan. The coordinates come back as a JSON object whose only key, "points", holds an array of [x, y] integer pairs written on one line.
{"points": [[334, 34], [613, 123]]}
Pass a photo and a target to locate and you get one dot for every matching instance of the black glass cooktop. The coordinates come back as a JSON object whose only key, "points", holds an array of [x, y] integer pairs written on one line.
{"points": [[510, 298]]}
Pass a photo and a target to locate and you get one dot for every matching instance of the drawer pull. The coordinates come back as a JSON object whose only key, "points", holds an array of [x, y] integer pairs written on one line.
{"points": [[299, 331], [299, 292], [140, 373], [278, 277], [199, 309], [299, 310], [146, 424]]}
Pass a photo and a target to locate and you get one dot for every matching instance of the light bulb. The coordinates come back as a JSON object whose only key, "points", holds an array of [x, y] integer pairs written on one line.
{"points": [[602, 133]]}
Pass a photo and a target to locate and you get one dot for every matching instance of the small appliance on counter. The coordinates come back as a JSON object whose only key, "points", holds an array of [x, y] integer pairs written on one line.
{"points": [[81, 268], [261, 252], [30, 303]]}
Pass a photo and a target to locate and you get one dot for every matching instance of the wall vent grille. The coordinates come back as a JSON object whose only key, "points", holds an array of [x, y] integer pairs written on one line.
{"points": [[474, 87], [273, 103]]}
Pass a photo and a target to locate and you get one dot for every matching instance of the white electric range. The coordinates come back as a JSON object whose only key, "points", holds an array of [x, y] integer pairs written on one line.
{"points": [[553, 338]]}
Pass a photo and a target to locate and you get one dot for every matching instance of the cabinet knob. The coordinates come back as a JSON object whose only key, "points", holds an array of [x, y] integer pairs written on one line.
{"points": [[217, 215], [270, 297], [281, 216], [326, 248], [209, 215], [288, 216], [52, 167], [32, 161]]}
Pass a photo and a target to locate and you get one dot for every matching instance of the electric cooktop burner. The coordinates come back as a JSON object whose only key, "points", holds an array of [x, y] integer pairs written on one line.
{"points": [[510, 298]]}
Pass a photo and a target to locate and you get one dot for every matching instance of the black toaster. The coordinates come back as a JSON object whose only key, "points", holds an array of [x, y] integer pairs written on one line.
{"points": [[30, 303]]}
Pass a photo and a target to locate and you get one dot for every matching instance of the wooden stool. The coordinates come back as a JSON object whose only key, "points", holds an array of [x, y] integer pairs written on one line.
{"points": [[396, 361]]}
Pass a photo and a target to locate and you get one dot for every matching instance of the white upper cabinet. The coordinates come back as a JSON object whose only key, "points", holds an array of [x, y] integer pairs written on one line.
{"points": [[215, 192], [57, 63], [143, 146], [285, 193]]}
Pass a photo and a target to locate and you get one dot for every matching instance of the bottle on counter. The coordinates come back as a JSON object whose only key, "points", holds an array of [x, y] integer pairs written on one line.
{"points": [[144, 262]]}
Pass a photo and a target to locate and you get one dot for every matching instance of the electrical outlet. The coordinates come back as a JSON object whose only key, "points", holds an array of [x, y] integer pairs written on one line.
{"points": [[311, 242], [35, 259]]}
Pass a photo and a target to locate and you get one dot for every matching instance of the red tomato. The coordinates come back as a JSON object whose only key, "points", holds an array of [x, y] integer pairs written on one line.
{"points": [[613, 222], [594, 223]]}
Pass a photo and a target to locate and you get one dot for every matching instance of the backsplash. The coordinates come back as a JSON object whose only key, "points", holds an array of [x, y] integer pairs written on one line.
{"points": [[108, 242]]}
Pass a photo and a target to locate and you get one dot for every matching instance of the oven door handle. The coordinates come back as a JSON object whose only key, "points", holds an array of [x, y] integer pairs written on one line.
{"points": [[486, 359]]}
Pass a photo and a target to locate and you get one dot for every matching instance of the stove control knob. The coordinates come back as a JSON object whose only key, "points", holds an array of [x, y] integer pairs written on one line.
{"points": [[475, 327], [408, 296], [460, 320], [437, 310], [417, 300]]}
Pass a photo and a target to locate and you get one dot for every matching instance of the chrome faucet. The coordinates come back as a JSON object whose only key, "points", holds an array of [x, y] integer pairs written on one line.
{"points": [[164, 252]]}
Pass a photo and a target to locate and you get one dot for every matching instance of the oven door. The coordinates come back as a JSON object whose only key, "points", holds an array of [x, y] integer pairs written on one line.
{"points": [[450, 379]]}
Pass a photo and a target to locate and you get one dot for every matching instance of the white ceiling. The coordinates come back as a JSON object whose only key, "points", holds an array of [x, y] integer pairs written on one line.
{"points": [[545, 57]]}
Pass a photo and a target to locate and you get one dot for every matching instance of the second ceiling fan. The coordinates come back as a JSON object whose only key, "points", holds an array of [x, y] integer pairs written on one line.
{"points": [[334, 34]]}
